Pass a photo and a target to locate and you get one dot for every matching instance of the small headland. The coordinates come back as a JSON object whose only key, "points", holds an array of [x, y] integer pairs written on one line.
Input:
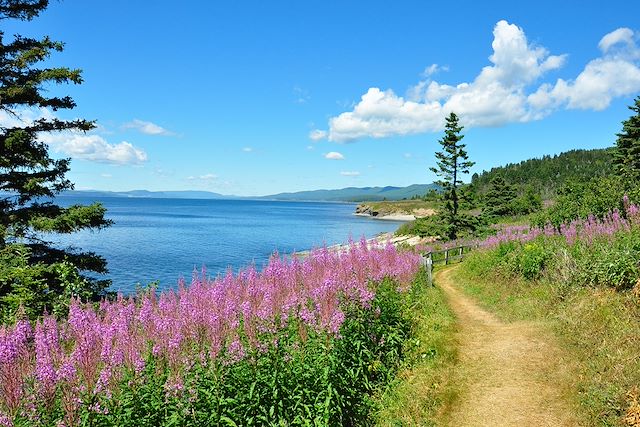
{"points": [[396, 210]]}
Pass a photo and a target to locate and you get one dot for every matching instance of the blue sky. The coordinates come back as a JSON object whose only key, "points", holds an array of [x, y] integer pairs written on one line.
{"points": [[254, 98]]}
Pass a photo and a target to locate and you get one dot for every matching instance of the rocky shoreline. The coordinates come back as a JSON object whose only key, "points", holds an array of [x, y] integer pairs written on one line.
{"points": [[390, 213], [380, 240]]}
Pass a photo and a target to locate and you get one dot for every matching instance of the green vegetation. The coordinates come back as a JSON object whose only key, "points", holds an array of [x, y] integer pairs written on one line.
{"points": [[423, 388], [33, 274], [452, 162], [546, 175], [578, 273], [627, 153], [599, 326], [581, 275]]}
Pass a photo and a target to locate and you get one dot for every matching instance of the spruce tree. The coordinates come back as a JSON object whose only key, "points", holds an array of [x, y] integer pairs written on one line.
{"points": [[499, 199], [627, 155], [33, 273], [452, 162]]}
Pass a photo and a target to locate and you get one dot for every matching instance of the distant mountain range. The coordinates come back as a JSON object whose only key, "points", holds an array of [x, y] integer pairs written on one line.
{"points": [[350, 194], [356, 194], [150, 194]]}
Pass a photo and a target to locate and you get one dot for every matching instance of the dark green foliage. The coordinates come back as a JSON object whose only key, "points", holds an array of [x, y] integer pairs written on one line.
{"points": [[596, 197], [627, 153], [530, 201], [33, 273], [499, 199], [452, 162], [548, 174]]}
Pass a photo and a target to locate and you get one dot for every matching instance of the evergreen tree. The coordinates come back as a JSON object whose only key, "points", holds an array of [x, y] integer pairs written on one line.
{"points": [[452, 162], [33, 273], [627, 155], [499, 199]]}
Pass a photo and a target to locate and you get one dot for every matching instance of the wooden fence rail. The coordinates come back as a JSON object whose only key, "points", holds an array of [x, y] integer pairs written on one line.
{"points": [[444, 256]]}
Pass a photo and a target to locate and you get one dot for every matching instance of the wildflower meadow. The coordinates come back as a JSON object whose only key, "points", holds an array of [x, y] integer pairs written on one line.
{"points": [[301, 342], [593, 251]]}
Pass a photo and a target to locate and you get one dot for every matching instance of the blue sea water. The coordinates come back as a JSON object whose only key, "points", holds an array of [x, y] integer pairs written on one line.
{"points": [[165, 239]]}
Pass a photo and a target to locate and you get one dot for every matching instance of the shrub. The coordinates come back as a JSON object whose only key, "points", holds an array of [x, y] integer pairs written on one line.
{"points": [[532, 259]]}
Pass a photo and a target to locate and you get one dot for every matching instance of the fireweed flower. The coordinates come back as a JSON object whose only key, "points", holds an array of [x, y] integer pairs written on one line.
{"points": [[220, 320]]}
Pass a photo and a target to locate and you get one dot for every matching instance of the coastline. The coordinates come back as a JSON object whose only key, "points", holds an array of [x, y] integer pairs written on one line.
{"points": [[390, 217], [381, 239]]}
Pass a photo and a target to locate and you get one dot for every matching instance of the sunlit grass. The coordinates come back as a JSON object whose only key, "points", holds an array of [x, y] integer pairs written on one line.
{"points": [[424, 388]]}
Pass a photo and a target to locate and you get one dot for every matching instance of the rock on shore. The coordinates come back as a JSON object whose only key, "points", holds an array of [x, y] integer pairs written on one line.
{"points": [[392, 213]]}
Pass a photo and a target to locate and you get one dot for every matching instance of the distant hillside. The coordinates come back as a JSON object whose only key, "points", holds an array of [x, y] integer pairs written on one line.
{"points": [[150, 194], [355, 194], [351, 194], [547, 174]]}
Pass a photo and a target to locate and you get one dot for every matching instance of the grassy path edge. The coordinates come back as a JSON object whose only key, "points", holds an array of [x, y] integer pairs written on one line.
{"points": [[424, 388]]}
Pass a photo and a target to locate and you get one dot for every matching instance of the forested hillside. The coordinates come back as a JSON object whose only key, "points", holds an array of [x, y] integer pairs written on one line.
{"points": [[548, 174]]}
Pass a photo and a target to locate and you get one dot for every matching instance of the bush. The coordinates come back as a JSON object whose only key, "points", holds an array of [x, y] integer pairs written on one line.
{"points": [[532, 259]]}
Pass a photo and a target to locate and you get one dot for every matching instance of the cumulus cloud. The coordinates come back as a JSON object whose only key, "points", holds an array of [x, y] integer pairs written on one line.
{"points": [[147, 128], [317, 135], [94, 148], [247, 149], [334, 155], [615, 74], [77, 145], [506, 91], [350, 173], [621, 35]]}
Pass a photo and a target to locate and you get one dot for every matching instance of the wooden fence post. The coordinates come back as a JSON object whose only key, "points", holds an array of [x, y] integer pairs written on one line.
{"points": [[446, 257], [430, 271]]}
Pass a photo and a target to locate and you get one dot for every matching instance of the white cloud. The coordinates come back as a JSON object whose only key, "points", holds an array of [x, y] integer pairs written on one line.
{"points": [[317, 135], [78, 145], [247, 149], [106, 175], [334, 155], [621, 35], [148, 128], [350, 173], [205, 177], [434, 69], [506, 91], [24, 117], [616, 73], [407, 155], [94, 148]]}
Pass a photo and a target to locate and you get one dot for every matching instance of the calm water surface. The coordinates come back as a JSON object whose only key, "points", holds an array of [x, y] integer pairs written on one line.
{"points": [[165, 239]]}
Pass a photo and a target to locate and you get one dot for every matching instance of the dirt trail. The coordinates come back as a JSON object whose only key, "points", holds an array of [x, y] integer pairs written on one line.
{"points": [[512, 374]]}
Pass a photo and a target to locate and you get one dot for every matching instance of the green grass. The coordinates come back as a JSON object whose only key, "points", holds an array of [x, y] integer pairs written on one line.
{"points": [[598, 326], [423, 388]]}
